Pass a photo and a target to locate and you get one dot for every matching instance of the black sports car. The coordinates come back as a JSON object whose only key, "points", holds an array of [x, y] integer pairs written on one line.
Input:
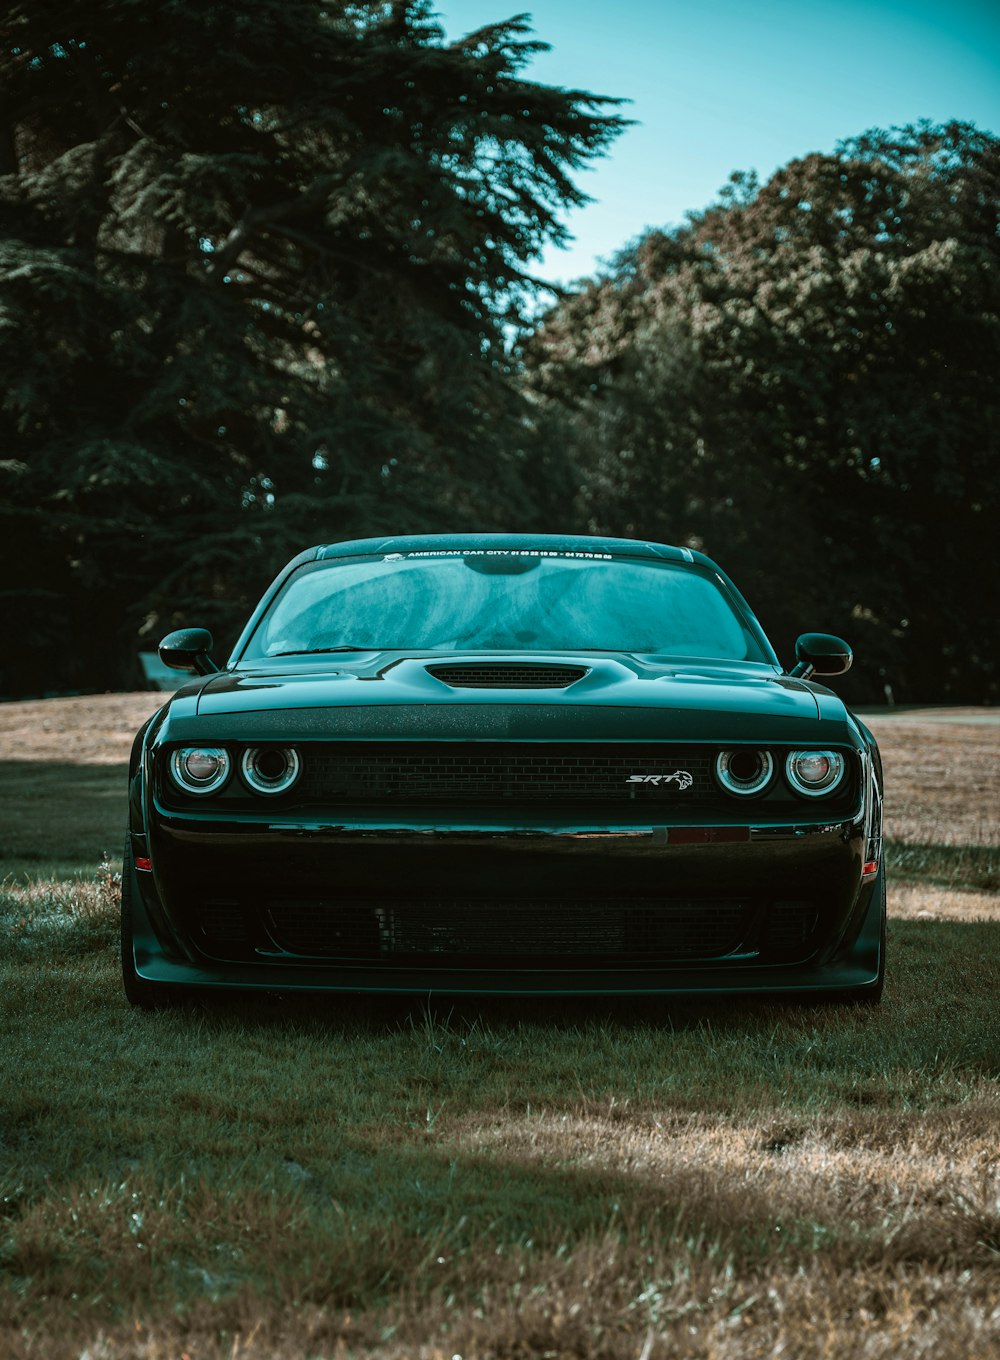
{"points": [[504, 764]]}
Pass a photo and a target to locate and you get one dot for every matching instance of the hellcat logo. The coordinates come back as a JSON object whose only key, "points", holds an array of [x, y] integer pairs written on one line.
{"points": [[681, 778]]}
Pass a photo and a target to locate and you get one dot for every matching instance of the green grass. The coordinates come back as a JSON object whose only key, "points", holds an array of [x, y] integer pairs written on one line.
{"points": [[58, 819], [208, 1166], [956, 867]]}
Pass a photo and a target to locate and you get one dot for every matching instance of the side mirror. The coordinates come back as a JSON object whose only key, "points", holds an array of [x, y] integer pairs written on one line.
{"points": [[187, 650], [821, 654]]}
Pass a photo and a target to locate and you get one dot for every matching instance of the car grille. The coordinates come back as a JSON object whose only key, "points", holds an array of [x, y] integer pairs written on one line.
{"points": [[485, 676], [557, 932], [223, 923], [490, 773], [503, 929], [789, 928]]}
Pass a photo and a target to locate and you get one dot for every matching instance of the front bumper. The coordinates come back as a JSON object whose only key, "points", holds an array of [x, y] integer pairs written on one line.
{"points": [[487, 870]]}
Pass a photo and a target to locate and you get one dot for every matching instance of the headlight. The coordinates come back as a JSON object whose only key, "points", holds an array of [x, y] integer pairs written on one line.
{"points": [[814, 773], [200, 769], [270, 769], [744, 772]]}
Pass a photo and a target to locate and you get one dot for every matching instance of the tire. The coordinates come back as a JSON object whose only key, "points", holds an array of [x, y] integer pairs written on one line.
{"points": [[147, 996]]}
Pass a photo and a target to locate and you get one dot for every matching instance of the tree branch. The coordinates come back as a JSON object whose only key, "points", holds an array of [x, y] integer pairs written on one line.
{"points": [[255, 218]]}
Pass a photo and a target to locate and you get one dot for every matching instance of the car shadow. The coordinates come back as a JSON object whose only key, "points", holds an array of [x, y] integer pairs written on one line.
{"points": [[925, 959]]}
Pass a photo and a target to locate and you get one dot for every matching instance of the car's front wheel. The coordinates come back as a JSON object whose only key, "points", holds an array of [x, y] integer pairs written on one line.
{"points": [[148, 996]]}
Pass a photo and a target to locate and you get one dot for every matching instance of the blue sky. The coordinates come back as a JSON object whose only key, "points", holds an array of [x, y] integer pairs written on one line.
{"points": [[723, 85]]}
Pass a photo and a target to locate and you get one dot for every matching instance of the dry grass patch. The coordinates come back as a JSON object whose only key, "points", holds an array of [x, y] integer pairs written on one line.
{"points": [[609, 1299], [90, 729], [918, 902], [888, 1188], [603, 1301], [942, 775]]}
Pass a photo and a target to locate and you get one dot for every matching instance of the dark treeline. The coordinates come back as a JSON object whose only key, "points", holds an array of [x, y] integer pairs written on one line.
{"points": [[260, 274], [804, 380]]}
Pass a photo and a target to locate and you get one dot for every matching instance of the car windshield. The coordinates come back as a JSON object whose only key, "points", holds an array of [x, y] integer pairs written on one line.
{"points": [[497, 600]]}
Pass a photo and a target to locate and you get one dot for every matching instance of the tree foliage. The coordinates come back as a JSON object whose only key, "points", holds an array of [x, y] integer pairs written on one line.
{"points": [[257, 270], [803, 380]]}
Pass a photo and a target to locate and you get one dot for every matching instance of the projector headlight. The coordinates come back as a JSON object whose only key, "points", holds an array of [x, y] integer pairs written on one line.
{"points": [[270, 769], [815, 773], [199, 769], [745, 772]]}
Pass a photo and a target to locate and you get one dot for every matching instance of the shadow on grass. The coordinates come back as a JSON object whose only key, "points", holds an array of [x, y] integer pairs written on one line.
{"points": [[933, 965], [966, 867], [59, 820]]}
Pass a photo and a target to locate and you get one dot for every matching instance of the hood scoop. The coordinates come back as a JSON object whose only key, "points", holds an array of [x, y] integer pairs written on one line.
{"points": [[504, 675]]}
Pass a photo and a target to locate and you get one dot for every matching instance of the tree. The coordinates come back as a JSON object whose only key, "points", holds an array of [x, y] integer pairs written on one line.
{"points": [[257, 299], [802, 379]]}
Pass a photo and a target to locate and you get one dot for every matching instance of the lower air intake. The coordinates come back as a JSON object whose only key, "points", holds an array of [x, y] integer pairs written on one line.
{"points": [[790, 928], [636, 931], [223, 926]]}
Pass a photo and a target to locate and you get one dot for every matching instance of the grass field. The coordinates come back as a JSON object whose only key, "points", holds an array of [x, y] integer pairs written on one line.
{"points": [[349, 1178]]}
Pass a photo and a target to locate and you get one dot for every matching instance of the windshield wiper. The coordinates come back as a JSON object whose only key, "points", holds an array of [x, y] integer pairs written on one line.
{"points": [[316, 651]]}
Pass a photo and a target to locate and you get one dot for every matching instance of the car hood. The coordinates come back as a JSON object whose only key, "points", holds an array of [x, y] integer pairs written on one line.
{"points": [[620, 696]]}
